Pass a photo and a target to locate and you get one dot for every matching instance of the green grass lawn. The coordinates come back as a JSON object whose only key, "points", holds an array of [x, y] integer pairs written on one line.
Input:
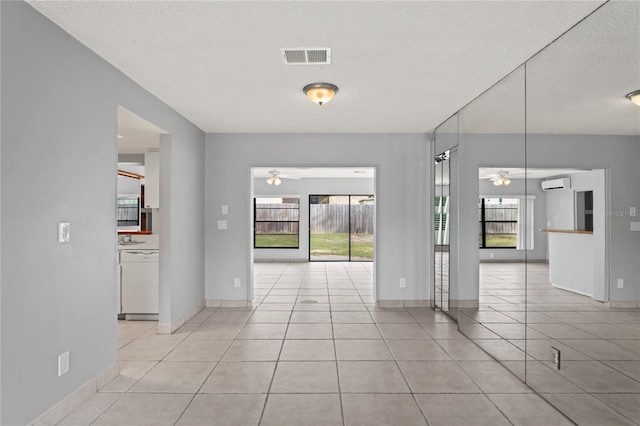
{"points": [[281, 240], [324, 244], [501, 240], [338, 245]]}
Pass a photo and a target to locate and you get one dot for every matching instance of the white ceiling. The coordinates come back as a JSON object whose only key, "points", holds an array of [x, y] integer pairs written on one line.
{"points": [[135, 134], [401, 66], [521, 173]]}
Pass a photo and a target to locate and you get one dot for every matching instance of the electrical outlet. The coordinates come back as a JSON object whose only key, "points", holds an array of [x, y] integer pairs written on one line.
{"points": [[620, 283], [236, 282], [403, 282], [225, 209], [63, 364], [555, 357], [491, 255]]}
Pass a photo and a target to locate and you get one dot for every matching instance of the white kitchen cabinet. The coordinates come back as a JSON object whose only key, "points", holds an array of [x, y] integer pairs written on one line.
{"points": [[152, 179]]}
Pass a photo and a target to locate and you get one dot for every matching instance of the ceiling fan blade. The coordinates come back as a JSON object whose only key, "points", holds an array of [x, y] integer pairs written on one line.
{"points": [[288, 176]]}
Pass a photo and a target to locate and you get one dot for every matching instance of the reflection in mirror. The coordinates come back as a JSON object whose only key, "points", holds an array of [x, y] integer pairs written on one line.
{"points": [[583, 305], [446, 139], [441, 235], [494, 218]]}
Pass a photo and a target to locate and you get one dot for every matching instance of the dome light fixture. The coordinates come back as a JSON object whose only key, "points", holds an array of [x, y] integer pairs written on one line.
{"points": [[634, 97], [320, 93]]}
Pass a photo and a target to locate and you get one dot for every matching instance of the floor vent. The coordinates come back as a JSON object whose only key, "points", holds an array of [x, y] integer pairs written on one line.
{"points": [[306, 55]]}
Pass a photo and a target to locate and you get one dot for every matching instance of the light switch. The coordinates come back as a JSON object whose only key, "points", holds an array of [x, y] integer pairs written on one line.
{"points": [[225, 209], [222, 224], [63, 232], [635, 226], [633, 211]]}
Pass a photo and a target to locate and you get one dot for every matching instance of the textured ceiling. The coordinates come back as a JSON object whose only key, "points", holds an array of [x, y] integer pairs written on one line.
{"points": [[400, 66]]}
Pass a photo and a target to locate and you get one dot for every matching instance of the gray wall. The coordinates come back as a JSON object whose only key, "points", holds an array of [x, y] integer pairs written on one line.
{"points": [[474, 151], [619, 154], [59, 103], [402, 192], [302, 189], [517, 187], [561, 202]]}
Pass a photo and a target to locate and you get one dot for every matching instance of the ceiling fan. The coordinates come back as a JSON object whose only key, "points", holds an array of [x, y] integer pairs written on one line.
{"points": [[500, 178], [274, 177]]}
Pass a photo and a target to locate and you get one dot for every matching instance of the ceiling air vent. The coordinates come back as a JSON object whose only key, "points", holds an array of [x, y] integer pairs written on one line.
{"points": [[306, 55]]}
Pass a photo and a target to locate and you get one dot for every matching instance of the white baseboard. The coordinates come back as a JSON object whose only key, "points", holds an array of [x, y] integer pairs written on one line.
{"points": [[266, 260], [410, 303], [229, 303], [624, 305], [494, 260], [465, 304], [171, 328], [62, 409]]}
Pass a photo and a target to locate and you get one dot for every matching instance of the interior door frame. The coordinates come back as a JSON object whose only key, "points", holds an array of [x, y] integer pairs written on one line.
{"points": [[251, 194]]}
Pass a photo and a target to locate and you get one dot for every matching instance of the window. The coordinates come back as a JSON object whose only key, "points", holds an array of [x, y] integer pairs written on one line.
{"points": [[442, 220], [506, 222], [128, 211], [276, 222], [498, 218]]}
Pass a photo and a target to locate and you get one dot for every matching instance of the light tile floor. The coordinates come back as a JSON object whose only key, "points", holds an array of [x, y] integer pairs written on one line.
{"points": [[599, 379], [314, 351]]}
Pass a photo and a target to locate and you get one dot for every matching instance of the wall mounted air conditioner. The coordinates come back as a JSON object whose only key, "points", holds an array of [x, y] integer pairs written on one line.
{"points": [[550, 185]]}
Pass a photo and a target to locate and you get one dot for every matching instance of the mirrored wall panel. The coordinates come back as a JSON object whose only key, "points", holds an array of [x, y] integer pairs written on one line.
{"points": [[446, 139], [583, 144], [545, 225], [494, 224]]}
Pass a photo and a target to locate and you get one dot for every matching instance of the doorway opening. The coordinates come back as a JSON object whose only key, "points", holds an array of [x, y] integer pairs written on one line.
{"points": [[138, 223], [341, 228], [284, 201]]}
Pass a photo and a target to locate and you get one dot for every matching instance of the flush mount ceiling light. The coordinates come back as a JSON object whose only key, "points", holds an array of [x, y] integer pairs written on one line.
{"points": [[634, 97], [320, 93], [501, 179]]}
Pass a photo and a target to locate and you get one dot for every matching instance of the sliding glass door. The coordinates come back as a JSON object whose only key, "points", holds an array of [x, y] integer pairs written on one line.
{"points": [[341, 227]]}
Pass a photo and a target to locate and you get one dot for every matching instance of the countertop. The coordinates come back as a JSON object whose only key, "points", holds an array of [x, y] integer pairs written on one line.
{"points": [[147, 242], [141, 246], [567, 231]]}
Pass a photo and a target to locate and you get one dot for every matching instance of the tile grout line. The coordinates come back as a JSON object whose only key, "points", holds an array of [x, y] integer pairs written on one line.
{"points": [[335, 354], [424, 416], [275, 369]]}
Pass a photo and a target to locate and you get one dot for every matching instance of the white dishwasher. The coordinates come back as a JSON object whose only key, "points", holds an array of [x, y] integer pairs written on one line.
{"points": [[140, 284]]}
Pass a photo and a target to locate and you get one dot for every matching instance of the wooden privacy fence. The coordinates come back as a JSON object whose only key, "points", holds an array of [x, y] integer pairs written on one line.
{"points": [[507, 214], [334, 218], [276, 219]]}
